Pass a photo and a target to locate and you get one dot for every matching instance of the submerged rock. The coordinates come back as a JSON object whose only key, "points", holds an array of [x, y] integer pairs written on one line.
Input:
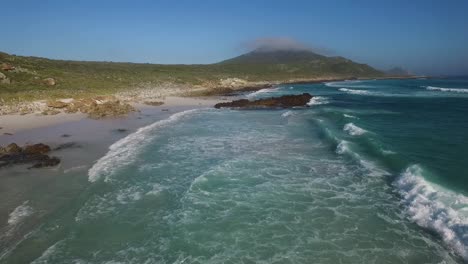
{"points": [[35, 154], [67, 146], [285, 101]]}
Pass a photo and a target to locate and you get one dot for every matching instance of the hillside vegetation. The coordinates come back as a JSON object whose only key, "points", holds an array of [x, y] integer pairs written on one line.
{"points": [[29, 78]]}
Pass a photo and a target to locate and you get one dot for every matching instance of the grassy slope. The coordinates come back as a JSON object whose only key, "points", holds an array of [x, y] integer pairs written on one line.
{"points": [[81, 79]]}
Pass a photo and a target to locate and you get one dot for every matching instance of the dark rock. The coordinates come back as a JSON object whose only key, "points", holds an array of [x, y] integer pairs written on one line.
{"points": [[285, 101], [13, 148], [165, 110], [66, 135], [35, 154], [121, 130], [36, 149], [8, 134]]}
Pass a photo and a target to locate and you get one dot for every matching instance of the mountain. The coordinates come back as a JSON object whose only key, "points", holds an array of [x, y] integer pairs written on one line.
{"points": [[397, 71], [260, 56], [301, 62]]}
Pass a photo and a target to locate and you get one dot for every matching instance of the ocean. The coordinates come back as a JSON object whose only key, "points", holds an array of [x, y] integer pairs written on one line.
{"points": [[373, 171]]}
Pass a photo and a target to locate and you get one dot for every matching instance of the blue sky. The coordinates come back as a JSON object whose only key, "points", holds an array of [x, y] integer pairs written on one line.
{"points": [[429, 37]]}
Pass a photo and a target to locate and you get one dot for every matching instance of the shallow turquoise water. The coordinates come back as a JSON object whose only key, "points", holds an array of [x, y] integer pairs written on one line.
{"points": [[372, 172]]}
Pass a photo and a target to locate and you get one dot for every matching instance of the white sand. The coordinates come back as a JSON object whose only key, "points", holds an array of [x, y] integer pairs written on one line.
{"points": [[15, 123]]}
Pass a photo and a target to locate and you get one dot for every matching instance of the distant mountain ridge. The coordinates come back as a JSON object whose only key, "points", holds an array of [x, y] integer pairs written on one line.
{"points": [[260, 56], [302, 62]]}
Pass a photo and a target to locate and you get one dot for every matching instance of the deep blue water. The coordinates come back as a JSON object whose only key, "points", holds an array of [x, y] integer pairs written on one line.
{"points": [[371, 172]]}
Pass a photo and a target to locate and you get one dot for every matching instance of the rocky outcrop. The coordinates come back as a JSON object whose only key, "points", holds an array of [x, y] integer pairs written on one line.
{"points": [[99, 107], [12, 148], [7, 67], [285, 101], [109, 109], [49, 81], [4, 79], [153, 103], [30, 154], [56, 104], [37, 149]]}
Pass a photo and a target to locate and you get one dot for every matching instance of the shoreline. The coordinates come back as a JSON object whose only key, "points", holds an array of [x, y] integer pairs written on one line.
{"points": [[78, 141], [149, 96], [10, 124]]}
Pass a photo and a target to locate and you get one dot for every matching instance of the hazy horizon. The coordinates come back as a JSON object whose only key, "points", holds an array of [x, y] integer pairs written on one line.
{"points": [[425, 38]]}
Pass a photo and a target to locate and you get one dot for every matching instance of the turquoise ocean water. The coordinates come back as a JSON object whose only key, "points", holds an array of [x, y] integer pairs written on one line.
{"points": [[372, 172]]}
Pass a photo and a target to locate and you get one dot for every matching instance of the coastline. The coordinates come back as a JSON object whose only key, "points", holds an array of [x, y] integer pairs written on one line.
{"points": [[40, 193], [79, 142]]}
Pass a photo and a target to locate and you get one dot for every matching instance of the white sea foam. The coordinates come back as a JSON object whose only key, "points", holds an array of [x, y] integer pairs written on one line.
{"points": [[262, 91], [157, 189], [388, 152], [342, 147], [436, 208], [48, 253], [287, 113], [121, 153], [442, 89], [318, 100], [341, 83], [353, 130], [350, 116], [354, 91], [20, 213]]}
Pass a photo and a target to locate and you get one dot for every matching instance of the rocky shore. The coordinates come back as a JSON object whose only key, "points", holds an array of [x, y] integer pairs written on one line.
{"points": [[30, 154], [285, 101]]}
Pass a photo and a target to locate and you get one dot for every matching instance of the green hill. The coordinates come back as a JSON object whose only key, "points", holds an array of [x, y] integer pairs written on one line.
{"points": [[85, 78]]}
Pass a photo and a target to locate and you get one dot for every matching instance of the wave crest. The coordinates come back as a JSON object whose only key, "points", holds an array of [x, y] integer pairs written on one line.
{"points": [[262, 91], [318, 100], [354, 91], [20, 213], [442, 89], [121, 152], [353, 130], [433, 207]]}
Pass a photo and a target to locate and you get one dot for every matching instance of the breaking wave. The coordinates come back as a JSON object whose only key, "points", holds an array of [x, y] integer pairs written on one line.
{"points": [[318, 100], [261, 92], [121, 152], [354, 91], [353, 130], [436, 208], [442, 89], [20, 213]]}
